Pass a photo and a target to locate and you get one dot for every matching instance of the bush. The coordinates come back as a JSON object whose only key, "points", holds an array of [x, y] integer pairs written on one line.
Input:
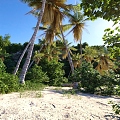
{"points": [[3, 88], [91, 81], [88, 77], [109, 82], [2, 66], [54, 71], [36, 75], [116, 108], [8, 82]]}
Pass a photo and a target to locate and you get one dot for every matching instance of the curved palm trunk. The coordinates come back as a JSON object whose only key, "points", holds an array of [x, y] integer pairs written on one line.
{"points": [[30, 49], [33, 60], [69, 56], [20, 59]]}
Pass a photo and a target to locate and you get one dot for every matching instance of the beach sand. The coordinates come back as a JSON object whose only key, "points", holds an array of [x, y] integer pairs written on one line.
{"points": [[52, 104]]}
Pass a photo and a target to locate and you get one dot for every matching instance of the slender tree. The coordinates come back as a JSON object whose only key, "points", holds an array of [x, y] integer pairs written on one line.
{"points": [[69, 56], [76, 20], [30, 49], [20, 59]]}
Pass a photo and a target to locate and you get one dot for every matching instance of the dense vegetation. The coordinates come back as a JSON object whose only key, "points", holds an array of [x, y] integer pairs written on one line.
{"points": [[97, 74]]}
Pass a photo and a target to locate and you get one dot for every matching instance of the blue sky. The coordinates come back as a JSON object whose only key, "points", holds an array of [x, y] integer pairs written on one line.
{"points": [[14, 22]]}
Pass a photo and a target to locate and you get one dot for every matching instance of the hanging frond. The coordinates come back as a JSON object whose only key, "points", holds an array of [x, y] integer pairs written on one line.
{"points": [[77, 31], [88, 58], [104, 64], [50, 36], [48, 16]]}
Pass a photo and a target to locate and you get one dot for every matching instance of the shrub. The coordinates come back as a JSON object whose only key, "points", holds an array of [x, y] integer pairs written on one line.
{"points": [[54, 71], [88, 77], [8, 82], [2, 66], [36, 75], [116, 108], [91, 81], [109, 82], [3, 88]]}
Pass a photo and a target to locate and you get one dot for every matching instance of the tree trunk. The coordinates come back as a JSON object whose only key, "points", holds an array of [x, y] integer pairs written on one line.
{"points": [[69, 56], [80, 51], [20, 59], [33, 60], [30, 49]]}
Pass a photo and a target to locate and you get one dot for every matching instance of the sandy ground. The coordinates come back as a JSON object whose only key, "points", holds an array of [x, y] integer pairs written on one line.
{"points": [[54, 105]]}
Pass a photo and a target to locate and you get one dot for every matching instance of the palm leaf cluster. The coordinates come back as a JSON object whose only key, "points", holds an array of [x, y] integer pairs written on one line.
{"points": [[104, 64]]}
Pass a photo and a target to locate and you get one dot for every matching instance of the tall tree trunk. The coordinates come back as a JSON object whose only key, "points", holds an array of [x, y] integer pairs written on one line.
{"points": [[30, 49], [20, 59], [81, 51], [69, 56]]}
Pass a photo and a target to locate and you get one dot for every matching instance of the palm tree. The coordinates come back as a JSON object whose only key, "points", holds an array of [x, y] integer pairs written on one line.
{"points": [[50, 33], [69, 56], [30, 49], [42, 44], [53, 17], [50, 52], [77, 24]]}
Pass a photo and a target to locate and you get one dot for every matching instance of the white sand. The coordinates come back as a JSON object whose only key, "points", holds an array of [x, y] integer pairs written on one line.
{"points": [[54, 105]]}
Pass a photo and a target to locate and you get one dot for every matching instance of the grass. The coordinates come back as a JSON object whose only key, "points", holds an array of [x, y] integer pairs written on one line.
{"points": [[31, 94], [70, 93], [31, 90]]}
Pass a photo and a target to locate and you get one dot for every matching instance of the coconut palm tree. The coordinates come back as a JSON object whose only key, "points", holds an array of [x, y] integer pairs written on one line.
{"points": [[53, 17], [50, 33], [76, 20], [50, 52], [30, 49]]}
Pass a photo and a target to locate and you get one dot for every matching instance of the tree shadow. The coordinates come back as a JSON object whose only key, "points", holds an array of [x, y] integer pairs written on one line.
{"points": [[112, 116], [69, 90]]}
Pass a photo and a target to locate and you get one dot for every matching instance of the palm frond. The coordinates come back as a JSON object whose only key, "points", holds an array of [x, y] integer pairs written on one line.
{"points": [[66, 27]]}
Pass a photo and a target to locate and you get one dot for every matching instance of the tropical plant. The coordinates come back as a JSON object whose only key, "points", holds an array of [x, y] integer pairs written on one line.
{"points": [[111, 39], [76, 60], [50, 52], [104, 64], [90, 80], [8, 82], [52, 16], [4, 42], [106, 9], [36, 75], [54, 71], [77, 24]]}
